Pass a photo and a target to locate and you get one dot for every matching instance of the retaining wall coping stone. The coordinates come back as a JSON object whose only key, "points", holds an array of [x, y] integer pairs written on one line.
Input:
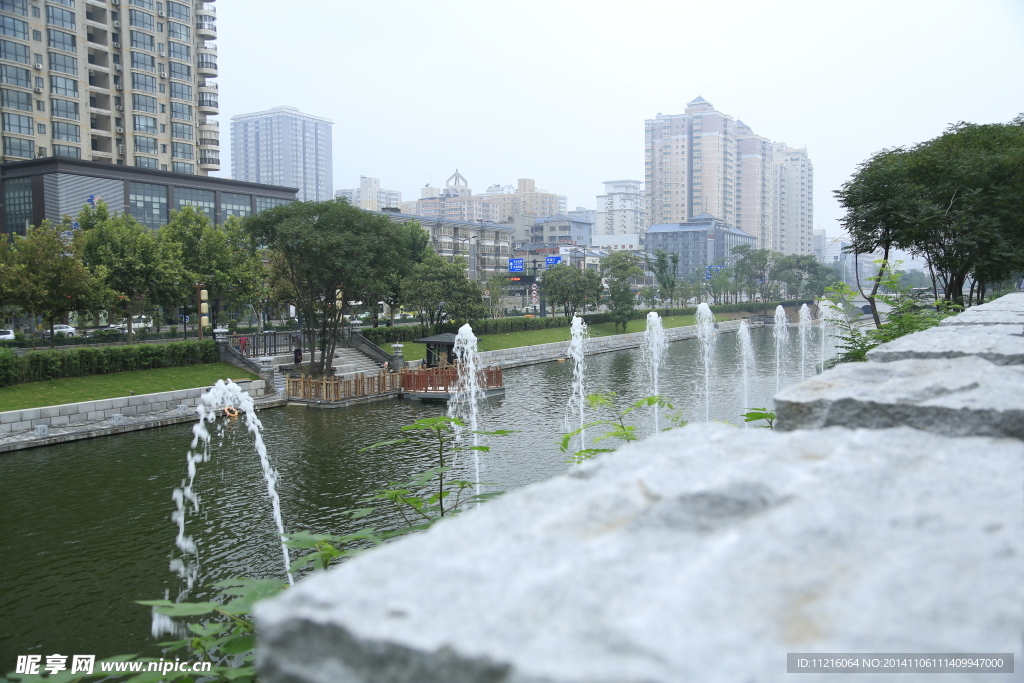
{"points": [[49, 411], [999, 344], [701, 554]]}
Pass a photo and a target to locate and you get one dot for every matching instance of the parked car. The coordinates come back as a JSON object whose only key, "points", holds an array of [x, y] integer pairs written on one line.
{"points": [[6, 335], [61, 331], [139, 324]]}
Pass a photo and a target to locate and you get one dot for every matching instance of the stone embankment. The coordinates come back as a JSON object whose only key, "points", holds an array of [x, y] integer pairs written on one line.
{"points": [[49, 425], [885, 515], [540, 353]]}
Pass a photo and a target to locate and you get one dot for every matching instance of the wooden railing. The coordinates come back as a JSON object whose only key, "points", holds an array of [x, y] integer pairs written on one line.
{"points": [[445, 379], [336, 389]]}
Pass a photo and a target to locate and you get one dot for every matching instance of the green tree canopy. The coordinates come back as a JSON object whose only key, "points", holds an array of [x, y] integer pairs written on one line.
{"points": [[571, 288], [617, 268], [327, 251], [665, 267], [436, 281]]}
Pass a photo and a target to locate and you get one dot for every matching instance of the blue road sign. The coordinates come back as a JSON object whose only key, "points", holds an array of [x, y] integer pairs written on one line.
{"points": [[552, 260], [515, 265]]}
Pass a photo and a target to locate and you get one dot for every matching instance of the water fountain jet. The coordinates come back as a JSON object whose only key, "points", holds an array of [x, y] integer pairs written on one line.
{"points": [[805, 324], [706, 337], [781, 332], [653, 350], [577, 399]]}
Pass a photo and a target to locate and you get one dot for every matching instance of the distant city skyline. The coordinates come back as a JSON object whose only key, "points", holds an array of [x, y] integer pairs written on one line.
{"points": [[567, 100]]}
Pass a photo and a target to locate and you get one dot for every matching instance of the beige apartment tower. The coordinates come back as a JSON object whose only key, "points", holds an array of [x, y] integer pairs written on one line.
{"points": [[704, 161], [126, 82]]}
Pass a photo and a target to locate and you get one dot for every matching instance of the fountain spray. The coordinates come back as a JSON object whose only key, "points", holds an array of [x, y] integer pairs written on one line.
{"points": [[781, 332], [706, 337], [653, 355], [577, 399], [805, 324], [463, 404], [747, 358]]}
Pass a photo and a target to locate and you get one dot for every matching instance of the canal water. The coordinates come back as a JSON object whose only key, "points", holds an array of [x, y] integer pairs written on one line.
{"points": [[85, 527]]}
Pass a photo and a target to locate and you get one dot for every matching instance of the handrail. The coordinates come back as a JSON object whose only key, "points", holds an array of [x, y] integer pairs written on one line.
{"points": [[369, 348]]}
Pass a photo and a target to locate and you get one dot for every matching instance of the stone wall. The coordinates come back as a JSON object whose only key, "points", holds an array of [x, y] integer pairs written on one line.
{"points": [[885, 515], [538, 353], [14, 421]]}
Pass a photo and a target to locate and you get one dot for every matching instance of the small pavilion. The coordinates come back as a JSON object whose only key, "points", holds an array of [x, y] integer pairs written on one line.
{"points": [[440, 350]]}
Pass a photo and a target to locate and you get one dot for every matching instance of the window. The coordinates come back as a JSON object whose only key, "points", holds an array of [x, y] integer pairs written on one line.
{"points": [[140, 19], [264, 203], [16, 123], [59, 40], [66, 131], [179, 51], [64, 110], [65, 64], [148, 203], [143, 82], [16, 52], [145, 124], [182, 167], [40, 105], [140, 60], [176, 10], [144, 144], [60, 17], [13, 75], [145, 162], [15, 28], [181, 131], [15, 99], [180, 91], [181, 111], [182, 150], [144, 103], [17, 197], [235, 205], [179, 31], [67, 151], [66, 3], [181, 71], [201, 199], [15, 7], [141, 40], [144, 4], [68, 87]]}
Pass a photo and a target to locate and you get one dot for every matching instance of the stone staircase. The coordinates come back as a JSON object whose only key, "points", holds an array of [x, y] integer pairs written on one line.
{"points": [[347, 361]]}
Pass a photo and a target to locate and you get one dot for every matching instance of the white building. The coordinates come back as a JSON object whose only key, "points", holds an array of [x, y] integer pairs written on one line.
{"points": [[283, 146], [620, 210], [370, 196], [793, 205]]}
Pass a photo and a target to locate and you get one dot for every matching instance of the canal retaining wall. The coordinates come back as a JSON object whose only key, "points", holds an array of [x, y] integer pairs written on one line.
{"points": [[542, 353], [884, 515]]}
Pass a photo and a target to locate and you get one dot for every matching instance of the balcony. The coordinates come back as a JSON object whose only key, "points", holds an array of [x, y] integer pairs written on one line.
{"points": [[209, 143], [209, 160], [207, 30], [208, 125], [206, 65], [208, 103], [206, 9]]}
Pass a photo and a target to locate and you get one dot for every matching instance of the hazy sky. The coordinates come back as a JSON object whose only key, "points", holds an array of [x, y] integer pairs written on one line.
{"points": [[558, 90]]}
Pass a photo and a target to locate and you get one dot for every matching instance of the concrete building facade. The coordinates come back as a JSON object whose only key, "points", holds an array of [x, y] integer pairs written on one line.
{"points": [[704, 161], [700, 242], [48, 189], [486, 247], [126, 85], [620, 210], [370, 196], [283, 146]]}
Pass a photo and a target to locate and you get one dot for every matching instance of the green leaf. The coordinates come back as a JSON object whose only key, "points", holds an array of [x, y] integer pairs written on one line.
{"points": [[238, 644]]}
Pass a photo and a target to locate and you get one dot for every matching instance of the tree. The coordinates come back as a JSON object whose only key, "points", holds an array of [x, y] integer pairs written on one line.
{"points": [[617, 268], [45, 275], [205, 253], [327, 251], [954, 200], [757, 271], [141, 269], [666, 271], [495, 291], [571, 288], [415, 246], [439, 290], [245, 274]]}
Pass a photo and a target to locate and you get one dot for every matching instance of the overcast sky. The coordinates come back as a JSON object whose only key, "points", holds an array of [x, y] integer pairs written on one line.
{"points": [[559, 90]]}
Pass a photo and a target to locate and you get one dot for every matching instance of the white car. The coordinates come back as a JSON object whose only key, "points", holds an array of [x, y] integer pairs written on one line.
{"points": [[62, 331], [6, 335]]}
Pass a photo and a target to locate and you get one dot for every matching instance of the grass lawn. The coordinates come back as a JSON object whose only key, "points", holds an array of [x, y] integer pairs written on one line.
{"points": [[510, 340], [97, 387]]}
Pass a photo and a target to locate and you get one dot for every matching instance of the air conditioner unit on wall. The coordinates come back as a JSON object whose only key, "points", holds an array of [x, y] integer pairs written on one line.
{"points": [[39, 67], [120, 149], [119, 107], [163, 74], [39, 90], [118, 67], [120, 130], [117, 46], [117, 24]]}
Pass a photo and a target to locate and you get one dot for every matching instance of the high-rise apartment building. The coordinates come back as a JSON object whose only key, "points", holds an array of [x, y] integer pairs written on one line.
{"points": [[703, 161], [527, 200], [370, 196], [283, 146], [620, 210], [126, 84]]}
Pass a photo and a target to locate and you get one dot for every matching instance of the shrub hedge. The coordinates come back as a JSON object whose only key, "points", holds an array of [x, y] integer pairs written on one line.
{"points": [[39, 366], [408, 333]]}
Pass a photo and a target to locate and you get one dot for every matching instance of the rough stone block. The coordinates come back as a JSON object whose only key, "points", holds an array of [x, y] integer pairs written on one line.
{"points": [[703, 554], [13, 416], [95, 415], [105, 404], [119, 402], [40, 421], [60, 420], [999, 344], [22, 426], [137, 400], [70, 408], [955, 397], [49, 411], [179, 395], [154, 407], [129, 410], [6, 427]]}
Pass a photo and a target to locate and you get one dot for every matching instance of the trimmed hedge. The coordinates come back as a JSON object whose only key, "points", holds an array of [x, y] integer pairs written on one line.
{"points": [[41, 366], [408, 333]]}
